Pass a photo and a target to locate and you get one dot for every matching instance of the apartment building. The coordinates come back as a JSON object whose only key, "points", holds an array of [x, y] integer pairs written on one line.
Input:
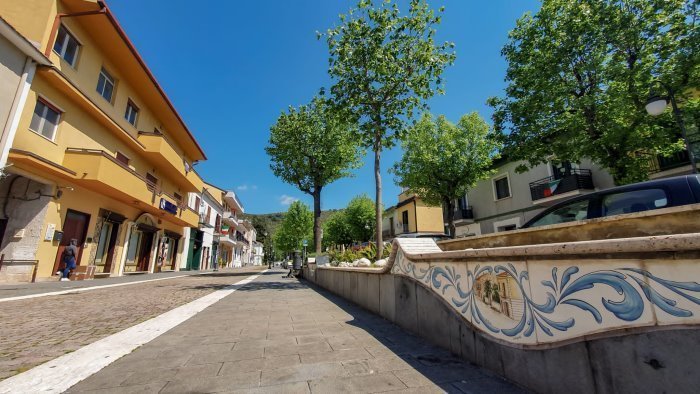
{"points": [[100, 154], [410, 215], [229, 243], [508, 199], [203, 247]]}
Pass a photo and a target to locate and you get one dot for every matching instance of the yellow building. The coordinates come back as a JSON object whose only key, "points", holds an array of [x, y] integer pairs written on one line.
{"points": [[411, 215], [100, 153]]}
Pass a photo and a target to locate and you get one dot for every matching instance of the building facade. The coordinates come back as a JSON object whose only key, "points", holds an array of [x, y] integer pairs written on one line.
{"points": [[100, 155], [508, 199], [411, 215], [228, 240]]}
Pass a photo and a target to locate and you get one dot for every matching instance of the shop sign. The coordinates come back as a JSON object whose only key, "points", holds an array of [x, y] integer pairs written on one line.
{"points": [[167, 206]]}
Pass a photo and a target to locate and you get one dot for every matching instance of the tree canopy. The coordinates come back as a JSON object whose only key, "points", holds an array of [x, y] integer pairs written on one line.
{"points": [[359, 215], [296, 227], [385, 64], [310, 147], [442, 160], [579, 74], [336, 230]]}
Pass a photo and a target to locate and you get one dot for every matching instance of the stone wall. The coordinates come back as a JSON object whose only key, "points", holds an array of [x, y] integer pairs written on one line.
{"points": [[674, 220], [25, 206], [615, 334]]}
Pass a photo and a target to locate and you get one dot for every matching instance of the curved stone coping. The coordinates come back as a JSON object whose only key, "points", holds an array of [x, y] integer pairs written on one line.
{"points": [[658, 243], [427, 250], [581, 224]]}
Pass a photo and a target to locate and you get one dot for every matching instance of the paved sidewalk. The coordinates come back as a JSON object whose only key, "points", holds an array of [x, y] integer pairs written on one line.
{"points": [[37, 330], [278, 335]]}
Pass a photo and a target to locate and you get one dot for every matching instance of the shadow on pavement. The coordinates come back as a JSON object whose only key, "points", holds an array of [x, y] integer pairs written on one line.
{"points": [[224, 274], [254, 286], [444, 369]]}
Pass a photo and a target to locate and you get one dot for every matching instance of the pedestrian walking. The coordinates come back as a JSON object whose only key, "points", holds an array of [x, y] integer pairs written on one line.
{"points": [[69, 255]]}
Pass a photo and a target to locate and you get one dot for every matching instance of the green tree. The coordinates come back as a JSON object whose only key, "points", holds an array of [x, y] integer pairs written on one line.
{"points": [[579, 74], [360, 218], [336, 230], [385, 64], [263, 227], [296, 227], [311, 147], [441, 160]]}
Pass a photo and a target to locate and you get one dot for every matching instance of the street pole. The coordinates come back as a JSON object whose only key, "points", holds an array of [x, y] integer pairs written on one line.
{"points": [[679, 118], [655, 106]]}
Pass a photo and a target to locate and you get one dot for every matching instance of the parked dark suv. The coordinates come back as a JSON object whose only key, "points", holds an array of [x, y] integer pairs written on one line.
{"points": [[637, 197]]}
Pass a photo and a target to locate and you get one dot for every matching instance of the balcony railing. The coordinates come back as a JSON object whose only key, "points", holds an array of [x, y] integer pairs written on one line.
{"points": [[661, 163], [458, 214], [387, 233], [575, 179]]}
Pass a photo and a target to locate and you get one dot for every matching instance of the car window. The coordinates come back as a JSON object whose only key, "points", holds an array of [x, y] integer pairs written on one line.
{"points": [[569, 213], [634, 201]]}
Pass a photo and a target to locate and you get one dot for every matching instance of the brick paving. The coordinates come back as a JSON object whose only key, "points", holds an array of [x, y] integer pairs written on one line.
{"points": [[278, 335], [40, 329]]}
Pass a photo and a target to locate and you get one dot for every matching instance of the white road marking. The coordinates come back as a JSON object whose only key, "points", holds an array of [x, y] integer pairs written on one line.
{"points": [[81, 289], [60, 374]]}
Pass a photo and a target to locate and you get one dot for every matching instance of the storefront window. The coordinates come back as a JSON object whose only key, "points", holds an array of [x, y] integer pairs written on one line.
{"points": [[103, 246]]}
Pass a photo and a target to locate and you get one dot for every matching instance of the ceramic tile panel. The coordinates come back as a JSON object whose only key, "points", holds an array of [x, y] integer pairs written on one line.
{"points": [[673, 289], [573, 298], [499, 299]]}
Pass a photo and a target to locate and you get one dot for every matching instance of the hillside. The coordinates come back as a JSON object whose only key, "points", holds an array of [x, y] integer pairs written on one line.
{"points": [[271, 221]]}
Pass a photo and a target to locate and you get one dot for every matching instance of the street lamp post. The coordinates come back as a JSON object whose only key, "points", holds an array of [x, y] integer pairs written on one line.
{"points": [[656, 105]]}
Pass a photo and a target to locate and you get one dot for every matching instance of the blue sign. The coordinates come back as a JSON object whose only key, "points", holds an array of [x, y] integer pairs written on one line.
{"points": [[305, 242], [167, 206]]}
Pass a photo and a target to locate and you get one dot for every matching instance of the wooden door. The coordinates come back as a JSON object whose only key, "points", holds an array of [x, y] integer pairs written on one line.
{"points": [[75, 226], [145, 252]]}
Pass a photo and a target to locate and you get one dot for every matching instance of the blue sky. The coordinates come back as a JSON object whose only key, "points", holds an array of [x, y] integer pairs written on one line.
{"points": [[231, 67]]}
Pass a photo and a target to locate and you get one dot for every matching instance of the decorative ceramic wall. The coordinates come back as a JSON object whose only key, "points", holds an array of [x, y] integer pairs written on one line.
{"points": [[535, 301]]}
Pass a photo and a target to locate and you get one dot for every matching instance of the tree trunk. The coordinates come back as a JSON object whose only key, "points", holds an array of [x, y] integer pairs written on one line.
{"points": [[317, 221], [450, 216], [378, 196]]}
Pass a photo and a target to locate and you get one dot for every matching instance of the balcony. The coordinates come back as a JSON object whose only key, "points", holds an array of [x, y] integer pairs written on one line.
{"points": [[552, 189], [232, 200], [98, 171], [190, 217], [161, 152], [462, 215], [678, 161], [231, 218]]}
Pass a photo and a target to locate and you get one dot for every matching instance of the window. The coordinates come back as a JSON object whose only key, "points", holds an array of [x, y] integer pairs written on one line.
{"points": [[152, 181], [177, 197], [569, 213], [196, 203], [122, 158], [105, 85], [45, 119], [501, 187], [634, 201], [66, 46], [132, 112], [462, 202]]}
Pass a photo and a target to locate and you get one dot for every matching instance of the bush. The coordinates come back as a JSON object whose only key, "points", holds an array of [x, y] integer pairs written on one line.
{"points": [[369, 252]]}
